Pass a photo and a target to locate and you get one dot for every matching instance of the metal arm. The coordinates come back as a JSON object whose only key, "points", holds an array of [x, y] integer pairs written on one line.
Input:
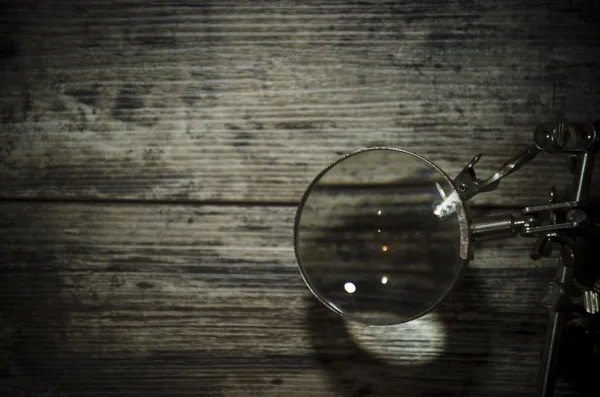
{"points": [[568, 138], [547, 375], [565, 221]]}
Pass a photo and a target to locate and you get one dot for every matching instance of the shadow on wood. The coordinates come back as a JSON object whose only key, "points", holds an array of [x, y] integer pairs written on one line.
{"points": [[466, 365], [34, 359]]}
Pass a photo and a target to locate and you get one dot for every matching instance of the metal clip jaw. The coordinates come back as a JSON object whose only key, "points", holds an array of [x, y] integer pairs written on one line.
{"points": [[468, 185], [466, 182], [568, 138]]}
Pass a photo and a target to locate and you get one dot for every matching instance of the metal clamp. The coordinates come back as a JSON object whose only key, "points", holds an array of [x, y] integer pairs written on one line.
{"points": [[565, 137], [468, 185]]}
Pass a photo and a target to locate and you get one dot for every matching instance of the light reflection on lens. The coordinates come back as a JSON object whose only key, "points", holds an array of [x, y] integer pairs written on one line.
{"points": [[350, 287], [448, 205]]}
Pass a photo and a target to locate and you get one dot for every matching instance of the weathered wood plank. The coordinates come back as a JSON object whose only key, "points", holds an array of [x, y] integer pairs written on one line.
{"points": [[243, 100], [206, 300]]}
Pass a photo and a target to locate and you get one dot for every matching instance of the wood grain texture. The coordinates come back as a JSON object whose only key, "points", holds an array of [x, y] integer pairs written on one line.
{"points": [[207, 300], [247, 101], [238, 105]]}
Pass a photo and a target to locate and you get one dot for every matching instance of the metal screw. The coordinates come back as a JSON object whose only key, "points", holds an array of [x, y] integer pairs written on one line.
{"points": [[589, 133], [576, 216], [543, 136], [462, 188], [552, 194]]}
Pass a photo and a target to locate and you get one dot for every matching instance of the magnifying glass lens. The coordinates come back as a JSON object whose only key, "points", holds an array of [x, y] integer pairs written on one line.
{"points": [[381, 236]]}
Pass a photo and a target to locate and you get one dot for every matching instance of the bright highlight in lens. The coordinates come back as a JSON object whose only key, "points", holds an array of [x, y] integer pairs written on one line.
{"points": [[350, 287]]}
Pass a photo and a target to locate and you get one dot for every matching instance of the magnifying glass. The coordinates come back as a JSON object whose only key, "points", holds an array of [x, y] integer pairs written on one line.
{"points": [[382, 236]]}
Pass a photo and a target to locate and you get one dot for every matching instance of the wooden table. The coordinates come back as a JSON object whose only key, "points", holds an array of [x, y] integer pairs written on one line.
{"points": [[152, 154]]}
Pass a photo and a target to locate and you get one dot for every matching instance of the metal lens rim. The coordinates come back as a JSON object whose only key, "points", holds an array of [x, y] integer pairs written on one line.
{"points": [[463, 221]]}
